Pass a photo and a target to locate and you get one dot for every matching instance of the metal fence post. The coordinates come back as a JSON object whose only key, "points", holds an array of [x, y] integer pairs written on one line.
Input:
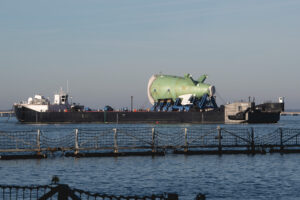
{"points": [[63, 192], [115, 141], [38, 141], [172, 196], [153, 141], [252, 140], [200, 197], [281, 139], [76, 142], [185, 140], [219, 139]]}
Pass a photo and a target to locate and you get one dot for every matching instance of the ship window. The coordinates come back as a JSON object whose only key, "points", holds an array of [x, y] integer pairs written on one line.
{"points": [[240, 108]]}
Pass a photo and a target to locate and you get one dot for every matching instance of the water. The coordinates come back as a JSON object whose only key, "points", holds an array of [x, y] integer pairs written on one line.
{"points": [[270, 176]]}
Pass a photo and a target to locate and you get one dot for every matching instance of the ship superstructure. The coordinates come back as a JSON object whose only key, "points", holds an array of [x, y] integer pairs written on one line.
{"points": [[39, 103]]}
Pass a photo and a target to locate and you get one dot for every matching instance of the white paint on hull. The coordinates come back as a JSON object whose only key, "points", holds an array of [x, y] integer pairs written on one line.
{"points": [[38, 108]]}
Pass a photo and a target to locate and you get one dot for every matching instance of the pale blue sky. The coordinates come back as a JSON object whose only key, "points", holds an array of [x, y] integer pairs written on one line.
{"points": [[109, 49]]}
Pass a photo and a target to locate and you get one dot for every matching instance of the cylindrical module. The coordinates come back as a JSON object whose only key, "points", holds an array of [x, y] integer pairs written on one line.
{"points": [[166, 87]]}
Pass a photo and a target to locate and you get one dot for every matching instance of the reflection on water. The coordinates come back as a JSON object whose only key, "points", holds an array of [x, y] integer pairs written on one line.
{"points": [[270, 176]]}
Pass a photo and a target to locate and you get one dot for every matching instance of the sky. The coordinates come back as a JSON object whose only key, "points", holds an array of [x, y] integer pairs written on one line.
{"points": [[108, 50]]}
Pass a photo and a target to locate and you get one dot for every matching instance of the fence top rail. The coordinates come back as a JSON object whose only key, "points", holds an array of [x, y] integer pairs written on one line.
{"points": [[191, 128], [26, 186], [19, 131]]}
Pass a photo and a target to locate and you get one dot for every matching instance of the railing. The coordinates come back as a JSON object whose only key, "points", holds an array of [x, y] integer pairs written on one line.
{"points": [[290, 113], [149, 141], [64, 192], [7, 113]]}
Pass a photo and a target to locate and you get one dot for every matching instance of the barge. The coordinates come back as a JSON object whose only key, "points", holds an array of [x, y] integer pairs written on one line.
{"points": [[174, 100]]}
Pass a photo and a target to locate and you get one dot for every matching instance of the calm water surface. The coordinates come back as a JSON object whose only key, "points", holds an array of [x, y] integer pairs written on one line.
{"points": [[270, 176]]}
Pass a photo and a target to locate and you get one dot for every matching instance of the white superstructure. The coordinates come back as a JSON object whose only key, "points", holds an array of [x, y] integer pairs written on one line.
{"points": [[40, 104]]}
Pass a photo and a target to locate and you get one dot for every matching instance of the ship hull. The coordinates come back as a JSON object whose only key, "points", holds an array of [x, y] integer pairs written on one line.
{"points": [[25, 115], [263, 117]]}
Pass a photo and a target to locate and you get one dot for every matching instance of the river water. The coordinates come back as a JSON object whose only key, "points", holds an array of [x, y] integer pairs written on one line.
{"points": [[270, 176]]}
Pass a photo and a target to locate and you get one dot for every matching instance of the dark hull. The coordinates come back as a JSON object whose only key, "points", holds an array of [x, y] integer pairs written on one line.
{"points": [[263, 117], [25, 115]]}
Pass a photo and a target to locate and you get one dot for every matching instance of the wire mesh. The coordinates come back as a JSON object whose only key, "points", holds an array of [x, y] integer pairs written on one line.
{"points": [[134, 137], [9, 192], [95, 138], [66, 141], [202, 137], [169, 137], [18, 139], [291, 137], [269, 139], [236, 137], [145, 137], [23, 192]]}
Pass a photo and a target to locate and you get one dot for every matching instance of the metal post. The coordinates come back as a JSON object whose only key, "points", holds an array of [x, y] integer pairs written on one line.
{"points": [[76, 142], [131, 104], [153, 141], [63, 191], [281, 140], [115, 141], [200, 197], [104, 117], [38, 141], [219, 139], [172, 196], [252, 140], [185, 140]]}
